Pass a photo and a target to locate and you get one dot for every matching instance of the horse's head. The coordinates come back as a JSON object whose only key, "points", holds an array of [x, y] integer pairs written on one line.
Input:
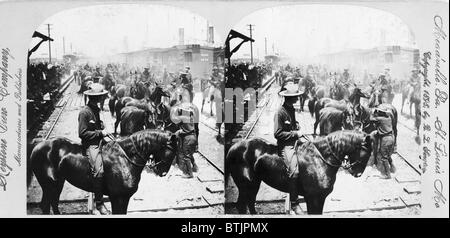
{"points": [[357, 161], [159, 146], [165, 157], [356, 94], [355, 147], [157, 93], [376, 97]]}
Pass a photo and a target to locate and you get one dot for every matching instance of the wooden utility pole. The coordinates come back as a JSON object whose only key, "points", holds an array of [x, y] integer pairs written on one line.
{"points": [[251, 43], [265, 46], [49, 45]]}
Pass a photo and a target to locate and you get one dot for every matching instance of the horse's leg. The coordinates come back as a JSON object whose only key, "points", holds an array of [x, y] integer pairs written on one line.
{"points": [[317, 116], [252, 192], [410, 108], [111, 105], [302, 106], [314, 204], [203, 103], [403, 102], [45, 201], [241, 203], [119, 204], [56, 194], [210, 108]]}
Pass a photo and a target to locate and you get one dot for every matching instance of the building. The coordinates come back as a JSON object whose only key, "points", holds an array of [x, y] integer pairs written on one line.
{"points": [[400, 60], [201, 59]]}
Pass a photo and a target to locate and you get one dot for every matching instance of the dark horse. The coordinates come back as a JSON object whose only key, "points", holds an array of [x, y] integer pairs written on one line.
{"points": [[317, 93], [341, 105], [332, 119], [117, 92], [56, 160], [251, 161], [151, 112], [142, 105]]}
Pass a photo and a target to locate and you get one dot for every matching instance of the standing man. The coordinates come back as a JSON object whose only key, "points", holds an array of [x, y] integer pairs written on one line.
{"points": [[186, 115], [385, 142], [91, 132], [287, 132]]}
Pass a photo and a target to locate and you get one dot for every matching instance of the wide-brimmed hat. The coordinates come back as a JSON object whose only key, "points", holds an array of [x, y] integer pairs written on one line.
{"points": [[291, 90], [96, 89]]}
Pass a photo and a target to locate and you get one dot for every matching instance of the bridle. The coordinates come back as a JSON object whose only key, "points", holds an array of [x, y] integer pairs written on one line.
{"points": [[143, 161], [153, 165], [345, 163]]}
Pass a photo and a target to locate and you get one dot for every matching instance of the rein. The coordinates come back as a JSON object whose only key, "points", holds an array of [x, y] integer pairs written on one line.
{"points": [[333, 155], [138, 154], [343, 163]]}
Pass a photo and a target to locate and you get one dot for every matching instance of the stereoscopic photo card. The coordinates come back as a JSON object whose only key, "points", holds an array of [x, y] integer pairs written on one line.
{"points": [[224, 109]]}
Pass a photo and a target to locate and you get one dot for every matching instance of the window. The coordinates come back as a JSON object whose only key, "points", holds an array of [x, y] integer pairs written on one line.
{"points": [[188, 56]]}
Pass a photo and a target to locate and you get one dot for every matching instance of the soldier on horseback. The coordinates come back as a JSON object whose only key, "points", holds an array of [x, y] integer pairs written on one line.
{"points": [[97, 74], [386, 87], [287, 132], [91, 132], [186, 82]]}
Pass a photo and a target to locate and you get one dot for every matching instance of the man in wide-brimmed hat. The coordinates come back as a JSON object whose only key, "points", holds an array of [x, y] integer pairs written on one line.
{"points": [[91, 132], [287, 132]]}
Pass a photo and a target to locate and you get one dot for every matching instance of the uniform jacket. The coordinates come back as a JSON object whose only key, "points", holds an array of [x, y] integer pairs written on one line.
{"points": [[285, 126], [89, 125]]}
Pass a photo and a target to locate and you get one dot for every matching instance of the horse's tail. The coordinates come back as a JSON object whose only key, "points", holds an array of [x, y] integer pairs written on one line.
{"points": [[30, 148]]}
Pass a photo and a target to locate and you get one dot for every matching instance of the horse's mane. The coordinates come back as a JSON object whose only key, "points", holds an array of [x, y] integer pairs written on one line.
{"points": [[343, 141], [150, 140]]}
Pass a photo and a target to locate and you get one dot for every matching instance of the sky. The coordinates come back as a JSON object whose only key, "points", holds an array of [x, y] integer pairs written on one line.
{"points": [[301, 32], [103, 30]]}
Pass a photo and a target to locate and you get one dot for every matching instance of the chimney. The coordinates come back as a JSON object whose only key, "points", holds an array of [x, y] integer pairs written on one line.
{"points": [[210, 34], [181, 36]]}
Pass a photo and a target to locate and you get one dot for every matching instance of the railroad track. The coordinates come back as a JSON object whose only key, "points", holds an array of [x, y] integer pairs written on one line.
{"points": [[58, 107], [211, 162]]}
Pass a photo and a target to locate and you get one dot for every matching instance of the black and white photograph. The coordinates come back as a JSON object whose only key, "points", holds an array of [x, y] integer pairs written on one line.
{"points": [[121, 114], [335, 126], [248, 110]]}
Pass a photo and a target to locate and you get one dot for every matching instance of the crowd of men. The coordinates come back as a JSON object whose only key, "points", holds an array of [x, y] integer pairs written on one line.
{"points": [[43, 83], [245, 75]]}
